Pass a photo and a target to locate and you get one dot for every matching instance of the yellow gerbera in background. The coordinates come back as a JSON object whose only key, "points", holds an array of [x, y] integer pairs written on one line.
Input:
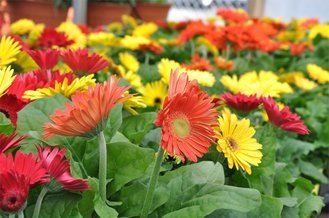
{"points": [[22, 26], [74, 33], [154, 93], [235, 140], [129, 61], [133, 102], [64, 88], [6, 79], [8, 50], [317, 73], [145, 29]]}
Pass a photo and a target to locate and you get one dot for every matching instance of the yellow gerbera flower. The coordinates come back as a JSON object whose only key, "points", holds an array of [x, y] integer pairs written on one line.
{"points": [[35, 33], [133, 102], [305, 84], [322, 30], [203, 77], [102, 38], [6, 79], [8, 50], [78, 84], [235, 140], [154, 93], [232, 83], [22, 26], [115, 26], [74, 33], [25, 63], [291, 77], [164, 68], [129, 20], [317, 73], [133, 42], [205, 42], [129, 61], [145, 29]]}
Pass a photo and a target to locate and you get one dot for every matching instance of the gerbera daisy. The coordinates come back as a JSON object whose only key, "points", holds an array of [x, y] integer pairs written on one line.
{"points": [[235, 140], [154, 93], [284, 118], [241, 102], [82, 62], [8, 142], [22, 26], [223, 64], [46, 59], [198, 63], [317, 73], [65, 88], [187, 120], [8, 50], [233, 15], [87, 114], [165, 66], [6, 79], [133, 102], [59, 169], [17, 176], [10, 105], [129, 61], [50, 38]]}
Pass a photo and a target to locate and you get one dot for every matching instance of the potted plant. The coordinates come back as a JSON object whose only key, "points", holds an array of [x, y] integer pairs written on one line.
{"points": [[151, 10]]}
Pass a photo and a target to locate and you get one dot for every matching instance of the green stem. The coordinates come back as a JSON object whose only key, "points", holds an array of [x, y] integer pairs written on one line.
{"points": [[39, 202], [192, 47], [20, 214], [11, 215], [102, 165], [152, 183]]}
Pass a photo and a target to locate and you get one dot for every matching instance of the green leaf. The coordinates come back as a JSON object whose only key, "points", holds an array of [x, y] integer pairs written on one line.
{"points": [[102, 209], [262, 176], [114, 122], [6, 127], [126, 162], [291, 149], [135, 127], [63, 204], [312, 205], [312, 171]]}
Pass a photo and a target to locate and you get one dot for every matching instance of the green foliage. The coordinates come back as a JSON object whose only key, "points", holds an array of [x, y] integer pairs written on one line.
{"points": [[6, 127]]}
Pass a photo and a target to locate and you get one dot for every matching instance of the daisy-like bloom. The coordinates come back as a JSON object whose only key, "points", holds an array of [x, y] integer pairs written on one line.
{"points": [[50, 38], [53, 161], [233, 15], [22, 26], [133, 102], [133, 42], [305, 84], [241, 102], [74, 33], [10, 105], [152, 47], [232, 83], [187, 119], [17, 176], [80, 61], [87, 114], [235, 140], [46, 59], [9, 48], [145, 29], [154, 93], [208, 44], [198, 63], [8, 142], [164, 68], [224, 64], [204, 78], [6, 79], [317, 73], [65, 88], [129, 61], [283, 118]]}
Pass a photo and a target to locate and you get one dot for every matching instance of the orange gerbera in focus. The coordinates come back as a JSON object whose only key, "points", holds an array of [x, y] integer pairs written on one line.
{"points": [[187, 119], [87, 114]]}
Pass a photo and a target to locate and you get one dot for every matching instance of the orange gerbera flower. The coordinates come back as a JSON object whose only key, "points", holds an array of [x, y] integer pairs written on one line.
{"points": [[187, 119], [87, 114]]}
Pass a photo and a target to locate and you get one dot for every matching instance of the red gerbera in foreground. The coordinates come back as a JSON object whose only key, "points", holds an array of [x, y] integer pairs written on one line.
{"points": [[60, 169], [17, 176], [87, 115], [80, 61], [50, 37], [241, 102], [284, 118], [7, 142], [10, 105], [187, 119], [46, 59]]}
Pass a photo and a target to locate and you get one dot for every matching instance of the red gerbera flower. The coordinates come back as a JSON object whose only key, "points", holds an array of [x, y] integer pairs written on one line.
{"points": [[50, 37], [10, 105], [284, 118], [187, 119], [192, 29], [198, 63], [80, 61], [152, 47], [241, 102], [7, 142], [14, 189], [233, 15], [60, 169], [87, 115], [223, 64], [46, 59]]}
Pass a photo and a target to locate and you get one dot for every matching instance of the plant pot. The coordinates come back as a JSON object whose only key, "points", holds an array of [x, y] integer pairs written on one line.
{"points": [[151, 11], [40, 11], [105, 13]]}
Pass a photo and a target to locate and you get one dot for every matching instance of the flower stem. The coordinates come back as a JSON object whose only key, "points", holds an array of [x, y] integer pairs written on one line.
{"points": [[20, 214], [102, 165], [39, 202], [152, 183]]}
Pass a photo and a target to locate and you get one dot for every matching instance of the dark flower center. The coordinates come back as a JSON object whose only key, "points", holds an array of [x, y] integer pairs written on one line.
{"points": [[157, 100], [232, 144], [12, 199]]}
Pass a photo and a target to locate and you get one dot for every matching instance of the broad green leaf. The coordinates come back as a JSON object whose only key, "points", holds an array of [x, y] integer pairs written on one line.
{"points": [[312, 171], [283, 177], [63, 204], [102, 209], [135, 127], [291, 149], [311, 206], [6, 127], [126, 162]]}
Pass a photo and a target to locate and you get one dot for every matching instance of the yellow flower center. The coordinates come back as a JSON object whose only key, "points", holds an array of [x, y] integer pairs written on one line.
{"points": [[232, 144], [181, 127]]}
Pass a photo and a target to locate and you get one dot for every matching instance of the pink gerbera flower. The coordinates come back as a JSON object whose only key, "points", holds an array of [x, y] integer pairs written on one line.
{"points": [[46, 59], [241, 102]]}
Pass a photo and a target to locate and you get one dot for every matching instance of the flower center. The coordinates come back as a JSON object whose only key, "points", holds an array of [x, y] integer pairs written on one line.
{"points": [[232, 144], [12, 199], [181, 127], [157, 100]]}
